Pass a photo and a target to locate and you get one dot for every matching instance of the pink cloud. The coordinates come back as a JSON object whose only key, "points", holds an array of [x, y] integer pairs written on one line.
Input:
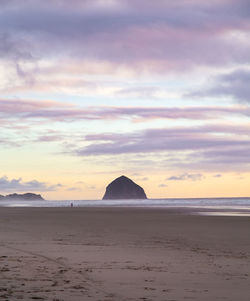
{"points": [[169, 139], [216, 147], [59, 111], [148, 35]]}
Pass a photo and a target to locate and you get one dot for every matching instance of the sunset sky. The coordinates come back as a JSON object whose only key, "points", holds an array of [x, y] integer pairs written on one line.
{"points": [[158, 91]]}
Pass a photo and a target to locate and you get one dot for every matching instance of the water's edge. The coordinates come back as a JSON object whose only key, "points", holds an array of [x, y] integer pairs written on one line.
{"points": [[168, 202]]}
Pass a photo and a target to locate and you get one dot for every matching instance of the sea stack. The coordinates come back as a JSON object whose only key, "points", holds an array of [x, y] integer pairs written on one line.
{"points": [[124, 188], [23, 197]]}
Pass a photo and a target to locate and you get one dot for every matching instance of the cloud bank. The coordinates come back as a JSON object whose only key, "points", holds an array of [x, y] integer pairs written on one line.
{"points": [[224, 147], [58, 111], [160, 36], [18, 185]]}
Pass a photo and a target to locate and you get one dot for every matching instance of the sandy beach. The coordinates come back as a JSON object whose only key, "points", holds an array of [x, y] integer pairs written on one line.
{"points": [[73, 254]]}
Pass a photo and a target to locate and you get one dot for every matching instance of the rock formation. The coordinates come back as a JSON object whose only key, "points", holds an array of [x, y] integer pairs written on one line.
{"points": [[123, 188], [22, 197]]}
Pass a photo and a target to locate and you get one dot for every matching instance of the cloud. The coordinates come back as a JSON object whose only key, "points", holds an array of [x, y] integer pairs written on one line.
{"points": [[19, 185], [160, 36], [217, 176], [162, 185], [168, 139], [209, 144], [126, 37], [13, 49], [90, 45], [221, 146], [16, 57], [50, 138], [59, 111], [186, 177], [235, 85], [7, 142], [234, 154]]}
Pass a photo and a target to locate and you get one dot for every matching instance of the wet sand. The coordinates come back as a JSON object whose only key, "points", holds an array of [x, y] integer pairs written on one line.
{"points": [[62, 254]]}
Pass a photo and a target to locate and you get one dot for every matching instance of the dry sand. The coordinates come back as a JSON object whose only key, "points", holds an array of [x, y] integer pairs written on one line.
{"points": [[121, 254]]}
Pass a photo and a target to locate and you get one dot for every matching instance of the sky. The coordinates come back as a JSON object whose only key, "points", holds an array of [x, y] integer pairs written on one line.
{"points": [[158, 91]]}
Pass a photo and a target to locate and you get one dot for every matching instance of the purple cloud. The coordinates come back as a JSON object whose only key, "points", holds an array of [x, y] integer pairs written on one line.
{"points": [[129, 39], [233, 154], [14, 49], [18, 185], [58, 111], [207, 147], [50, 138], [169, 139], [165, 35], [186, 177], [235, 85]]}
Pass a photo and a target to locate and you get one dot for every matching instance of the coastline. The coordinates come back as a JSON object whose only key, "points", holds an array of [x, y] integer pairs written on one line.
{"points": [[124, 253], [204, 204]]}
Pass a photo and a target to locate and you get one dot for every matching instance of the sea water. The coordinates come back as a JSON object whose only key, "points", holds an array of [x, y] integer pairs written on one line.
{"points": [[226, 204]]}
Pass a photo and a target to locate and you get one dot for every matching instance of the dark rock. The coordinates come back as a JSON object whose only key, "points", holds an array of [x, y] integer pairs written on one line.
{"points": [[24, 197], [123, 188]]}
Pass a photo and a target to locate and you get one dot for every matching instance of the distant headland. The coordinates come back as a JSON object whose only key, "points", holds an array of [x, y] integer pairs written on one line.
{"points": [[22, 197], [124, 188]]}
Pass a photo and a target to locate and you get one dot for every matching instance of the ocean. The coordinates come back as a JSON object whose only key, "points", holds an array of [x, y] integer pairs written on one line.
{"points": [[237, 206]]}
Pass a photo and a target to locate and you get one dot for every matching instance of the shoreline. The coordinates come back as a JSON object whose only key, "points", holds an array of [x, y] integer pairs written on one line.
{"points": [[189, 210], [112, 254]]}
